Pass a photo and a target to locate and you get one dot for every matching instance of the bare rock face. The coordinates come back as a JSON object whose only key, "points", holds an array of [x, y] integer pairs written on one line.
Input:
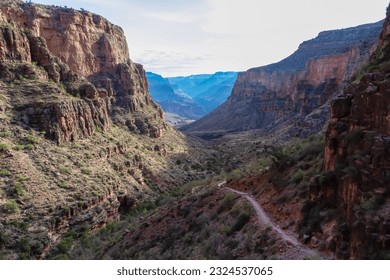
{"points": [[357, 153], [70, 121], [88, 55], [265, 96]]}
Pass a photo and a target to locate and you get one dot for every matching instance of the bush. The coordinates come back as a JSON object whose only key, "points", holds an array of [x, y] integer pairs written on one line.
{"points": [[11, 207], [64, 170], [227, 199], [86, 171], [31, 139], [297, 177], [63, 185], [18, 189], [4, 147], [4, 238], [242, 220], [5, 134], [5, 173], [28, 147]]}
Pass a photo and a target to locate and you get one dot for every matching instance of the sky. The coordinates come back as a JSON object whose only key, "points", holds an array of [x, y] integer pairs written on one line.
{"points": [[184, 37]]}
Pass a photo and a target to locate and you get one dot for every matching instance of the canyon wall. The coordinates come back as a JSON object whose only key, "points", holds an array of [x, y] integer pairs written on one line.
{"points": [[90, 57], [66, 76], [265, 96], [356, 181]]}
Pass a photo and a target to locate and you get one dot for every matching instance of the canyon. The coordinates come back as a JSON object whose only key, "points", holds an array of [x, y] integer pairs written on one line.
{"points": [[81, 138], [296, 167], [191, 97], [287, 92]]}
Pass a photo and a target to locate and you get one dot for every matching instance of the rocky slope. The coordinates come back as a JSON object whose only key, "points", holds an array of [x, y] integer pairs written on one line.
{"points": [[90, 57], [81, 140], [267, 96], [357, 155]]}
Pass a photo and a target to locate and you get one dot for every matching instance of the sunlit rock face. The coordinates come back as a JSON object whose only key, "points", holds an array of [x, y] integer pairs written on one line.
{"points": [[269, 95]]}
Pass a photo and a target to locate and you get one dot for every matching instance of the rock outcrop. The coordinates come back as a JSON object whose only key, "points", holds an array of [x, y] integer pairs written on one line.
{"points": [[90, 57], [266, 96], [66, 76], [357, 162]]}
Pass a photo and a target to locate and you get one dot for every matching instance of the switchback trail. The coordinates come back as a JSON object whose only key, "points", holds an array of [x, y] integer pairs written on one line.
{"points": [[298, 250]]}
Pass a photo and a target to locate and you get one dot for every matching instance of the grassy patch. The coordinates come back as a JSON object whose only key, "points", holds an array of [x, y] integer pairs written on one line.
{"points": [[5, 173], [5, 134], [4, 147], [11, 207], [64, 170]]}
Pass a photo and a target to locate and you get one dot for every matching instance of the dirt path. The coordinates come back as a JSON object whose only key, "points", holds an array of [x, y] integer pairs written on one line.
{"points": [[298, 250]]}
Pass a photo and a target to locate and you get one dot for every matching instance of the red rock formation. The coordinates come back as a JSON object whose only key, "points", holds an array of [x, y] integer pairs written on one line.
{"points": [[90, 56], [357, 161], [265, 96]]}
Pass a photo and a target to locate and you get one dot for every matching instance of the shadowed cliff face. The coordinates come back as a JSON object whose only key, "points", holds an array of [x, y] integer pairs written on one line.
{"points": [[357, 153], [272, 94], [90, 57]]}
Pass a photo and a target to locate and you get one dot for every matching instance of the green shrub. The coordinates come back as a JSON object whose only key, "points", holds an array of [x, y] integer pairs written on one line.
{"points": [[64, 170], [25, 247], [86, 171], [11, 207], [21, 178], [28, 147], [4, 238], [297, 177], [5, 173], [242, 220], [5, 134], [63, 185], [31, 139], [18, 147], [235, 175], [4, 147], [18, 189], [226, 202]]}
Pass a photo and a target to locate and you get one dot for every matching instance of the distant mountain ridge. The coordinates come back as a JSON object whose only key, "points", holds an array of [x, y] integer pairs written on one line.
{"points": [[191, 96], [173, 101], [267, 96]]}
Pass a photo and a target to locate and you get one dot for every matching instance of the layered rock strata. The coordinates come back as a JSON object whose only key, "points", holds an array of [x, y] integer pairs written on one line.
{"points": [[357, 162], [89, 56], [265, 96]]}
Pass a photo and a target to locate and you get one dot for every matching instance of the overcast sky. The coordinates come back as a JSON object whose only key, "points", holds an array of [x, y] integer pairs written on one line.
{"points": [[183, 37]]}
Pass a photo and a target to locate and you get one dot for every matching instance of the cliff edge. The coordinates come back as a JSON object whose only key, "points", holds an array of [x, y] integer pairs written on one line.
{"points": [[357, 152], [265, 97], [87, 55]]}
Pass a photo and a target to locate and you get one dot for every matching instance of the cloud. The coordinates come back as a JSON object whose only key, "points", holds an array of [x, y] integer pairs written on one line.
{"points": [[195, 36], [171, 63], [172, 17]]}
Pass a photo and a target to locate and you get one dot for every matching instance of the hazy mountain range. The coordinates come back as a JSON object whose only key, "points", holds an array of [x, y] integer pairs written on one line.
{"points": [[192, 96]]}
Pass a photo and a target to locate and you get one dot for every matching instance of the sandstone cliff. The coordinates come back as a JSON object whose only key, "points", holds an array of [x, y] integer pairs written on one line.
{"points": [[357, 153], [90, 57], [266, 96], [81, 140]]}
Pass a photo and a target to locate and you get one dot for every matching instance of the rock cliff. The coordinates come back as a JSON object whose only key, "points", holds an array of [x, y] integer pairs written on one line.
{"points": [[357, 153], [266, 96], [89, 56], [81, 140]]}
